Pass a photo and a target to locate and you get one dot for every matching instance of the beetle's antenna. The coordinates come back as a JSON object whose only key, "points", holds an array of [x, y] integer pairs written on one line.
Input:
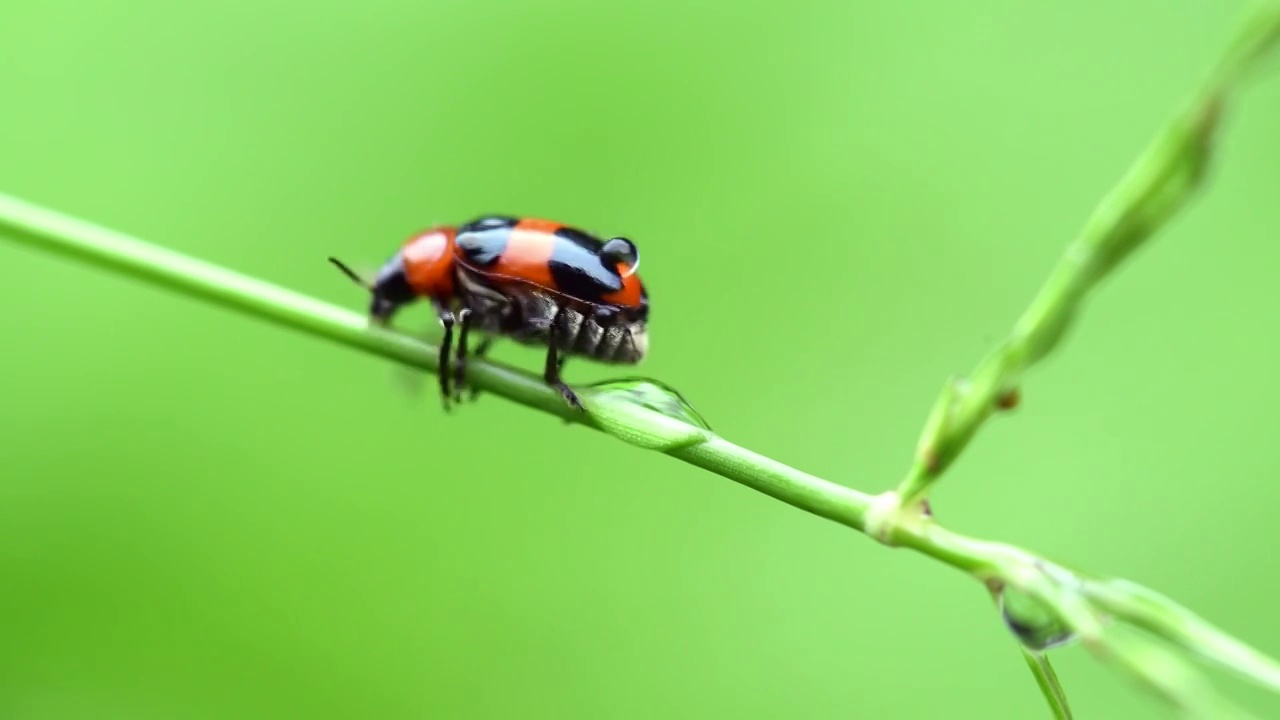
{"points": [[351, 274]]}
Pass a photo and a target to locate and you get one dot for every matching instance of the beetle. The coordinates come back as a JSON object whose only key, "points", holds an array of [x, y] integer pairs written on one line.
{"points": [[536, 281]]}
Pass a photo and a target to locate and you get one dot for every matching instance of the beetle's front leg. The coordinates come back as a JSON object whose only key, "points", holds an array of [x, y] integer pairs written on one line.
{"points": [[446, 343], [460, 359]]}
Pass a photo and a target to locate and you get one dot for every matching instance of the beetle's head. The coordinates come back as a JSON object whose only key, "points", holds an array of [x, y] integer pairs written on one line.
{"points": [[388, 293]]}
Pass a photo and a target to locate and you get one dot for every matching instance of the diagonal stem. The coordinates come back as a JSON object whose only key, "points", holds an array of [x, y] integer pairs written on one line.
{"points": [[992, 563], [1159, 184], [1047, 679], [47, 229]]}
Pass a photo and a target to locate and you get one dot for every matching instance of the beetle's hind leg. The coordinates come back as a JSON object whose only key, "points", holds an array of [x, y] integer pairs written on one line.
{"points": [[555, 362], [552, 376]]}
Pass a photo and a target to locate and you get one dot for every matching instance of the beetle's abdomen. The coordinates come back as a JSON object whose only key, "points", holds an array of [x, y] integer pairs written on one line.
{"points": [[621, 342], [526, 315]]}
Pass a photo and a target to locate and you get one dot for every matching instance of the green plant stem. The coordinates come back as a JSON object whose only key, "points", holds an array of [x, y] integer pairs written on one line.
{"points": [[1047, 679], [53, 231], [1159, 184], [994, 564], [46, 229], [49, 230]]}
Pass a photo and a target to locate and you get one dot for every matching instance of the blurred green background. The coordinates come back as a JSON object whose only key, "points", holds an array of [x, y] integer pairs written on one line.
{"points": [[838, 204]]}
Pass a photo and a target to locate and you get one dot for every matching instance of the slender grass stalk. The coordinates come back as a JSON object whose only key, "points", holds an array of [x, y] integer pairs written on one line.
{"points": [[1047, 679], [1043, 602], [1157, 186]]}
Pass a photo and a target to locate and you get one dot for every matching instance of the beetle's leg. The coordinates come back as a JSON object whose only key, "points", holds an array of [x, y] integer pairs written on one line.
{"points": [[460, 359], [510, 322], [554, 362], [446, 319]]}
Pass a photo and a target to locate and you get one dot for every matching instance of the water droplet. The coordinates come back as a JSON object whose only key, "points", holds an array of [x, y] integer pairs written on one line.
{"points": [[654, 395], [1032, 623]]}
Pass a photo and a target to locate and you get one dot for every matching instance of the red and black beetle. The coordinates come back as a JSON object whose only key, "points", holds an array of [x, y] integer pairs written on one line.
{"points": [[536, 281]]}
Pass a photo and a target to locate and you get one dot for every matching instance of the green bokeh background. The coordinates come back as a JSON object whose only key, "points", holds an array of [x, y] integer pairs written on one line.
{"points": [[838, 204]]}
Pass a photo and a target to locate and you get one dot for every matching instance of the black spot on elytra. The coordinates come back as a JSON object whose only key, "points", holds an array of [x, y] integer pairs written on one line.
{"points": [[482, 240], [578, 269], [489, 222]]}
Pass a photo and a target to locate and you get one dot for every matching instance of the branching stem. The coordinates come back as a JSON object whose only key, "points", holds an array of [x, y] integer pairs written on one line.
{"points": [[1054, 602]]}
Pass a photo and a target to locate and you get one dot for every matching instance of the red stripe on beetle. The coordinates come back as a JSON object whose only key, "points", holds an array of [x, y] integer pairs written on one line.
{"points": [[528, 253]]}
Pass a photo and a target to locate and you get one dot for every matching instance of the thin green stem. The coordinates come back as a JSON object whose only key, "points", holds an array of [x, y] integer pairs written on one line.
{"points": [[993, 563], [1159, 184], [1065, 602], [50, 230], [1048, 682]]}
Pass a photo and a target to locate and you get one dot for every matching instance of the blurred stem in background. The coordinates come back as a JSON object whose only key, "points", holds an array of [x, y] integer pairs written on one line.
{"points": [[1043, 604], [1156, 187]]}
